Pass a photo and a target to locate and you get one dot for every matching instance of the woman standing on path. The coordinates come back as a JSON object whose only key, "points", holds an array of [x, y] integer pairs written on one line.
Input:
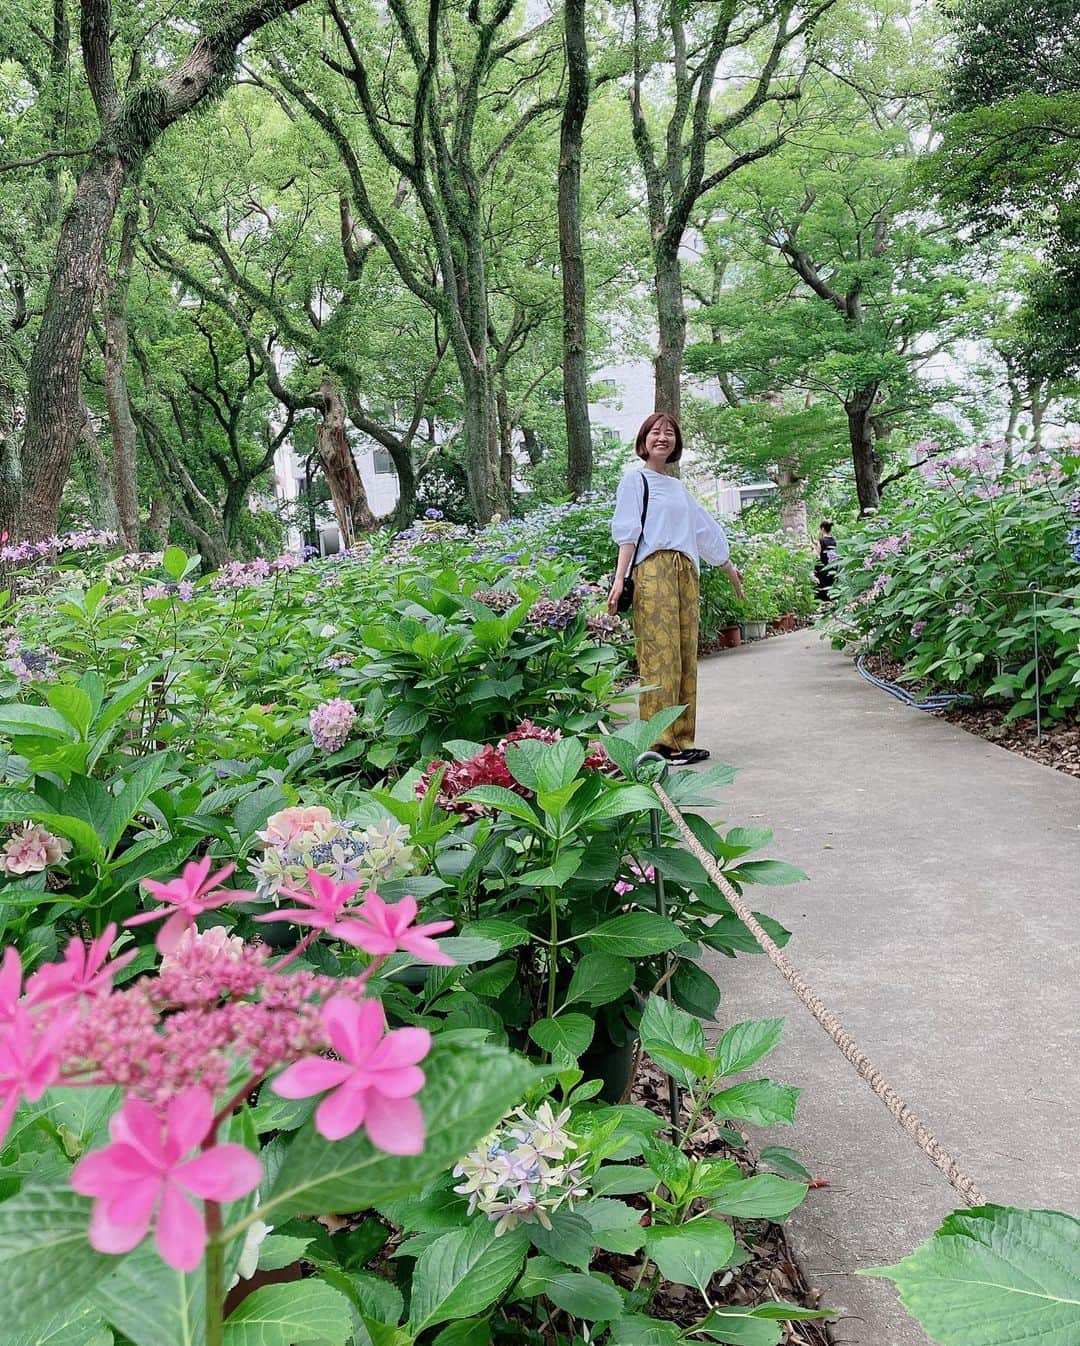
{"points": [[665, 555]]}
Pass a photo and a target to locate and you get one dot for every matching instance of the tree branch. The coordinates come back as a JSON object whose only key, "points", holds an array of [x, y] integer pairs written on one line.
{"points": [[95, 37]]}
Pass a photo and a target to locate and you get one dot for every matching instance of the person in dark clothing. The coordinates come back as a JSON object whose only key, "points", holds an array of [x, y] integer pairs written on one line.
{"points": [[825, 569]]}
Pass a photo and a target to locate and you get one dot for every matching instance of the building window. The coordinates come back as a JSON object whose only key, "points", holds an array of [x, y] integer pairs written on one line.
{"points": [[605, 435], [384, 464]]}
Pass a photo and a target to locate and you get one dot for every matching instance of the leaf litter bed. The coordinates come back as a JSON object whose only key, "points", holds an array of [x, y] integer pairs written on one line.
{"points": [[765, 1267], [1059, 747]]}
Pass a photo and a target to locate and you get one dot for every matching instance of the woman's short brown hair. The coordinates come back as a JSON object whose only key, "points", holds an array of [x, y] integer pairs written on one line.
{"points": [[647, 424]]}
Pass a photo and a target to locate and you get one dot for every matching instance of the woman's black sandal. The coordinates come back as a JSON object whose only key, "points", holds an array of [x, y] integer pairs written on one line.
{"points": [[690, 756]]}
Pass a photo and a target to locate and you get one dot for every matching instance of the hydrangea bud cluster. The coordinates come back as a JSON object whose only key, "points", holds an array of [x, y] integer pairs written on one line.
{"points": [[641, 876], [488, 767], [29, 665], [602, 626], [288, 560], [134, 561], [214, 1013], [184, 591], [298, 840], [522, 1172], [331, 724], [188, 1044], [498, 600], [884, 547], [1072, 540], [242, 574], [30, 849], [554, 614]]}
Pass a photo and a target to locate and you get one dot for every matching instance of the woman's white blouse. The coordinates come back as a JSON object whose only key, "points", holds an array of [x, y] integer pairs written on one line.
{"points": [[675, 521]]}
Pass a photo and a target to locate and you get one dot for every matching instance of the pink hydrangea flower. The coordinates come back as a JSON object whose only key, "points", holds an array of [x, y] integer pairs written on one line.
{"points": [[622, 887], [31, 849], [326, 906], [149, 1171], [10, 983], [189, 896], [84, 971], [29, 1060], [285, 826], [371, 1085], [331, 724], [385, 928]]}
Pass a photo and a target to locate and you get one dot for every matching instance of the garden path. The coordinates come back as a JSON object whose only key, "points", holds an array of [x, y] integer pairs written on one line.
{"points": [[939, 923]]}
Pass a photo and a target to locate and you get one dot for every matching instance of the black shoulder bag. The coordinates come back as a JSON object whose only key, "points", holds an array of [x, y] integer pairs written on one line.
{"points": [[626, 598]]}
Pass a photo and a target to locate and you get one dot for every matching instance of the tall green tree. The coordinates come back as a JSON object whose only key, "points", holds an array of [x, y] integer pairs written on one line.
{"points": [[706, 126], [441, 113], [571, 251], [1009, 155], [839, 290], [132, 113]]}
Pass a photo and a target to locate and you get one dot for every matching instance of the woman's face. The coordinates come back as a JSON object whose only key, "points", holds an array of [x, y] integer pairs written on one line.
{"points": [[659, 443]]}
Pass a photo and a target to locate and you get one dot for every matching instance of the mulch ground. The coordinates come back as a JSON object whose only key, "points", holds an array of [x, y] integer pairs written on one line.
{"points": [[1058, 747], [766, 1269]]}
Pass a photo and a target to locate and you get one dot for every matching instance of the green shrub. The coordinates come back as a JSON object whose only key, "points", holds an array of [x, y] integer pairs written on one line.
{"points": [[946, 583]]}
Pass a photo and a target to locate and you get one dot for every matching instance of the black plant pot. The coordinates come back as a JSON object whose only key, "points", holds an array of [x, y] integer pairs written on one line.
{"points": [[280, 934], [612, 1054]]}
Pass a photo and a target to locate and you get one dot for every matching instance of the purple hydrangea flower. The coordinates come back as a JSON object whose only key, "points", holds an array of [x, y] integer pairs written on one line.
{"points": [[184, 591], [331, 723], [556, 614], [30, 665]]}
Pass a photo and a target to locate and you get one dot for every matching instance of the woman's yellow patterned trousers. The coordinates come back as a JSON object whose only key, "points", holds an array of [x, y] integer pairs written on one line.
{"points": [[666, 637]]}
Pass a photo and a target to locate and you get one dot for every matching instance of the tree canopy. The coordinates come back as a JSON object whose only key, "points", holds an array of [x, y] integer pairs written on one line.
{"points": [[422, 228]]}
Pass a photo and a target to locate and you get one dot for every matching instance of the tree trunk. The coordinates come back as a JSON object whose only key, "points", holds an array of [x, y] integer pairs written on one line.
{"points": [[188, 502], [482, 455], [506, 450], [481, 422], [575, 349], [354, 515], [1038, 404], [671, 325], [791, 491], [54, 417], [160, 520], [128, 131], [533, 445], [99, 483], [405, 506], [121, 422], [863, 457]]}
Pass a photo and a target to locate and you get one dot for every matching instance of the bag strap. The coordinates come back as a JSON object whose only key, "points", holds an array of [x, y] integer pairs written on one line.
{"points": [[644, 513]]}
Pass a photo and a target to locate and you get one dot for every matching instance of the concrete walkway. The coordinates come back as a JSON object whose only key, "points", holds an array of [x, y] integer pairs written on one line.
{"points": [[939, 923]]}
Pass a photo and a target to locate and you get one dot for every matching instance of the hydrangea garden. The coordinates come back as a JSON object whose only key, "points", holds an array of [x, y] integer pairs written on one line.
{"points": [[384, 806], [357, 987], [970, 580]]}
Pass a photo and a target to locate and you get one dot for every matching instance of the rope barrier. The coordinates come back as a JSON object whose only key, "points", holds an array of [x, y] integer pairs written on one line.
{"points": [[919, 1132]]}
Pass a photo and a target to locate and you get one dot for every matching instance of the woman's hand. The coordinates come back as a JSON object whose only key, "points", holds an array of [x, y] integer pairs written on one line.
{"points": [[736, 579], [614, 596]]}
